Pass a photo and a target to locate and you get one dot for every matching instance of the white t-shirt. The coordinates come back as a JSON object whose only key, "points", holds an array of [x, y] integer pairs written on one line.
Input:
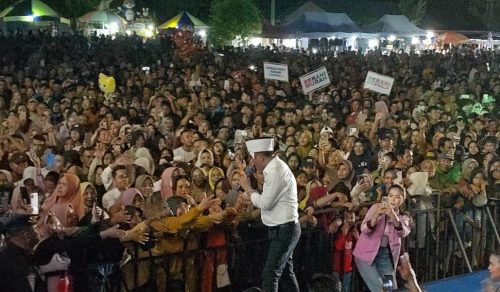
{"points": [[181, 155]]}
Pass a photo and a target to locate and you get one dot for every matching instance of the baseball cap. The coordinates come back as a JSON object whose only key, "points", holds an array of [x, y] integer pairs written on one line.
{"points": [[19, 157], [17, 223], [326, 130], [308, 161], [76, 127]]}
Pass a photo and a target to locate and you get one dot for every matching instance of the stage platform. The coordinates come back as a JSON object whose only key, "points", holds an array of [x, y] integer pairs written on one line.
{"points": [[463, 283]]}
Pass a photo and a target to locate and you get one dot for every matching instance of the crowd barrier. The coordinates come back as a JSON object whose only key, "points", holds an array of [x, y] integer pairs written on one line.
{"points": [[445, 241]]}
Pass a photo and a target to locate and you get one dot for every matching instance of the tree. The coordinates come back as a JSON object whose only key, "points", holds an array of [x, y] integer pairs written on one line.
{"points": [[413, 9], [233, 18], [486, 11], [73, 8]]}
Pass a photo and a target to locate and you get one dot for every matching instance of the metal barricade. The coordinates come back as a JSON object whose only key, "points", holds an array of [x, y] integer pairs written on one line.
{"points": [[444, 242]]}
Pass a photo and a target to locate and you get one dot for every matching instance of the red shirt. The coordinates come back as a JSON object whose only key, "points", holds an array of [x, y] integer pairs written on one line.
{"points": [[342, 252]]}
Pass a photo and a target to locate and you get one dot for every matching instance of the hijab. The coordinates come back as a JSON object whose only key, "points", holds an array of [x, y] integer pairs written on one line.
{"points": [[129, 195], [303, 151], [303, 203], [141, 179], [166, 183], [61, 212], [347, 181], [142, 155], [83, 189], [73, 195], [7, 175], [199, 163], [465, 167], [211, 176]]}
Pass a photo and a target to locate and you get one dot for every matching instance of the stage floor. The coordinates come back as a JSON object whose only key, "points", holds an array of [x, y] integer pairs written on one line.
{"points": [[464, 283]]}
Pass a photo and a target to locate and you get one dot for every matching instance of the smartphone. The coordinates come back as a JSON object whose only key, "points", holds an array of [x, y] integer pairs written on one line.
{"points": [[34, 203], [384, 202], [353, 131], [387, 283], [361, 178]]}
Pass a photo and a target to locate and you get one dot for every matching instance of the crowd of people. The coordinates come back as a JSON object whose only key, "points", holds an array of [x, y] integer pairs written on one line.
{"points": [[156, 167]]}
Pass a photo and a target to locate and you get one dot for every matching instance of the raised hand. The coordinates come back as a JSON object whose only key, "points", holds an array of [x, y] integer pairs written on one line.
{"points": [[206, 203], [121, 217]]}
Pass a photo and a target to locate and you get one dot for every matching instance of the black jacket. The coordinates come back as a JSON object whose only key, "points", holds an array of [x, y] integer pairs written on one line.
{"points": [[15, 268]]}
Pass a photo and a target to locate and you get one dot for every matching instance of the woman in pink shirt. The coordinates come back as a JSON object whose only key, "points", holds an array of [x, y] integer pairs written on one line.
{"points": [[378, 248]]}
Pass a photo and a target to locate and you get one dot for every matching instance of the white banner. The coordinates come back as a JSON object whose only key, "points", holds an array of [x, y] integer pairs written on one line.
{"points": [[379, 83], [314, 80], [275, 71]]}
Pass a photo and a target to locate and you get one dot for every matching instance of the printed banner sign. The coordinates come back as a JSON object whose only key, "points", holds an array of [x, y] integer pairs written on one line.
{"points": [[314, 80], [275, 71], [378, 83]]}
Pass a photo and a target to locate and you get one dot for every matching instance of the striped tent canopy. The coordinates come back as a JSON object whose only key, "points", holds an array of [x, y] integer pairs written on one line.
{"points": [[33, 11], [102, 16], [183, 19], [28, 15]]}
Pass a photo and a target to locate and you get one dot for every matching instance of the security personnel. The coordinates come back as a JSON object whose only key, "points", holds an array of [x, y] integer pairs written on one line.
{"points": [[17, 270]]}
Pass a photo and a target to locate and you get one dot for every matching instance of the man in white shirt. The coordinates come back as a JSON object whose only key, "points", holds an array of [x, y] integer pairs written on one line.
{"points": [[121, 182], [279, 211], [185, 153]]}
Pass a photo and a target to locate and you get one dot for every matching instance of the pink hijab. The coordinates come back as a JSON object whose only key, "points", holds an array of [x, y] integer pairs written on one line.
{"points": [[166, 183], [73, 196], [128, 196]]}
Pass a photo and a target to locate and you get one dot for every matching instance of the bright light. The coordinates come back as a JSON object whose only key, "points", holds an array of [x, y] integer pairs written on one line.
{"points": [[289, 43], [414, 40], [113, 27], [251, 67], [255, 41], [372, 43], [128, 32], [314, 50], [427, 41], [30, 18], [430, 34], [202, 33], [148, 33], [391, 38], [151, 27]]}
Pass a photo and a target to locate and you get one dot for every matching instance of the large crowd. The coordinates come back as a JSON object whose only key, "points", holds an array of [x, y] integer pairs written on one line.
{"points": [[154, 168]]}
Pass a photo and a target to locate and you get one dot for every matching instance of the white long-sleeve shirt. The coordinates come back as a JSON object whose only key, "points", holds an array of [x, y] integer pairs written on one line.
{"points": [[278, 201]]}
